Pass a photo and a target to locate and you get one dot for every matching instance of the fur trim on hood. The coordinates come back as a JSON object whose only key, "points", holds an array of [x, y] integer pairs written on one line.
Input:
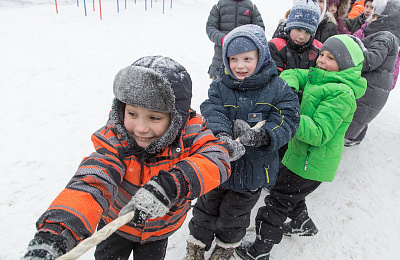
{"points": [[156, 83]]}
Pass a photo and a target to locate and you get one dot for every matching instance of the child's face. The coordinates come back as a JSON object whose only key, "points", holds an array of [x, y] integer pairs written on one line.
{"points": [[332, 8], [368, 9], [145, 126], [299, 36], [243, 65], [326, 61], [321, 5]]}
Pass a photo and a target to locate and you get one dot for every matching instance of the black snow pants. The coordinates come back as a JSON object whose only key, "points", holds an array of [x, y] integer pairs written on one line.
{"points": [[286, 199], [117, 247], [222, 213]]}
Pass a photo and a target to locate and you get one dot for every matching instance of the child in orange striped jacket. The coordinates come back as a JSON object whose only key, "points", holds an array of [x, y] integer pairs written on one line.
{"points": [[153, 156]]}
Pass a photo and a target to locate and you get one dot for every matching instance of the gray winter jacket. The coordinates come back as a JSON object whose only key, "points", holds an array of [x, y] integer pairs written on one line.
{"points": [[378, 71], [224, 17], [382, 41]]}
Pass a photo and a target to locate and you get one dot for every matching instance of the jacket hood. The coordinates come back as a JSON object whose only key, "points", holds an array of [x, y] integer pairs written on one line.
{"points": [[257, 35], [156, 83], [351, 77], [389, 20]]}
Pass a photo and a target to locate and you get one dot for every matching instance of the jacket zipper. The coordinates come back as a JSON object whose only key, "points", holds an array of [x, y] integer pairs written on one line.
{"points": [[305, 165], [266, 173]]}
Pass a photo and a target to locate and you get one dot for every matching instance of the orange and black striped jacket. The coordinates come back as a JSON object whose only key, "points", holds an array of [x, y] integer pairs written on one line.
{"points": [[106, 180]]}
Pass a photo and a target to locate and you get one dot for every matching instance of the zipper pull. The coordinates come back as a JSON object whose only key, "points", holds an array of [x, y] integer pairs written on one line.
{"points": [[305, 166]]}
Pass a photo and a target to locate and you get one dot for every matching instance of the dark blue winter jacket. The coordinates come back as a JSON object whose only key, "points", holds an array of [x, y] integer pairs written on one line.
{"points": [[263, 96]]}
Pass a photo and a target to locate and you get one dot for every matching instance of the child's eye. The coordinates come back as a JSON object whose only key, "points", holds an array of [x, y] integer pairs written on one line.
{"points": [[154, 118], [131, 114]]}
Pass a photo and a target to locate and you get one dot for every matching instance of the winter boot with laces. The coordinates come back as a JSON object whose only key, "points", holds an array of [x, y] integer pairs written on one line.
{"points": [[194, 249], [300, 227], [223, 251], [258, 250]]}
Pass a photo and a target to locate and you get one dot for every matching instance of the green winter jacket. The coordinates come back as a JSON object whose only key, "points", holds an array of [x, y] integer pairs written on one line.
{"points": [[327, 108]]}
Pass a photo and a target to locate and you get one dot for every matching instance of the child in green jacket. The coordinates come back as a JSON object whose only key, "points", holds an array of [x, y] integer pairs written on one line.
{"points": [[329, 101]]}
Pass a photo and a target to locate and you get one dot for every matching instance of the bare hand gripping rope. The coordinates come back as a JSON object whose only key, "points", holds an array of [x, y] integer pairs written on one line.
{"points": [[110, 228], [97, 237]]}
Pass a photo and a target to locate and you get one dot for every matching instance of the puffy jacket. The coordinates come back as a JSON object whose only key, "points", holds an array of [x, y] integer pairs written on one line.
{"points": [[378, 65], [224, 17], [327, 108], [355, 23], [192, 160], [286, 57], [265, 95], [378, 69]]}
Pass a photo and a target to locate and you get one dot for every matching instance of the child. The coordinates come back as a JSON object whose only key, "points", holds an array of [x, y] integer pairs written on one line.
{"points": [[326, 24], [380, 38], [153, 156], [329, 100], [355, 23], [224, 17], [249, 92], [339, 9], [297, 48]]}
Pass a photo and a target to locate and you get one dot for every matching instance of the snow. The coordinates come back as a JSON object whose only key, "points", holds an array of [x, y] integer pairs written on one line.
{"points": [[56, 74]]}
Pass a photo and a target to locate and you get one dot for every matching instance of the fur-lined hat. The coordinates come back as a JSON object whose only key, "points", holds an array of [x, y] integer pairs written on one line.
{"points": [[156, 83]]}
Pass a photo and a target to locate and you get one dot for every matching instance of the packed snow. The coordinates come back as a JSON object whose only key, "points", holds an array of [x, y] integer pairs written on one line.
{"points": [[56, 74]]}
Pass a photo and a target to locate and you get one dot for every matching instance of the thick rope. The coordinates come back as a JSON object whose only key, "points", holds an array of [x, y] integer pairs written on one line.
{"points": [[97, 237]]}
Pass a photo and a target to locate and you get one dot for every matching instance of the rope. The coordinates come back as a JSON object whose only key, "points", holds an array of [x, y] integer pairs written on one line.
{"points": [[97, 237]]}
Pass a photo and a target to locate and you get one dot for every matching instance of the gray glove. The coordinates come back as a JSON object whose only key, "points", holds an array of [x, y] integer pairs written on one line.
{"points": [[45, 245], [235, 148], [248, 136], [150, 201]]}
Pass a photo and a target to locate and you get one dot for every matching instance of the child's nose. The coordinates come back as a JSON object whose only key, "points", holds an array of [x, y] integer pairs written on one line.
{"points": [[141, 126]]}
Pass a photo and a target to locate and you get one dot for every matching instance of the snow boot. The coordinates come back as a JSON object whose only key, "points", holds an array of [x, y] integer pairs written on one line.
{"points": [[351, 142], [223, 251], [300, 227], [194, 249], [258, 250]]}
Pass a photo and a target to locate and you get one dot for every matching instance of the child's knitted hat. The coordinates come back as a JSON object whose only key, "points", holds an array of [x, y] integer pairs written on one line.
{"points": [[304, 15], [240, 45], [346, 51], [156, 83]]}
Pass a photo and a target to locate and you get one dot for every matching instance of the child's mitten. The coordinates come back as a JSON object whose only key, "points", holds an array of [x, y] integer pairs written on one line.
{"points": [[45, 245], [150, 201], [235, 148], [248, 136]]}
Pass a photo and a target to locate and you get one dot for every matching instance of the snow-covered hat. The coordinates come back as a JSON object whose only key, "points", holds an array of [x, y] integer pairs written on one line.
{"points": [[156, 83], [304, 15]]}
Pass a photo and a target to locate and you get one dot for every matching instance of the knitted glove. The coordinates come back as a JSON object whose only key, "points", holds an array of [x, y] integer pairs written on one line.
{"points": [[248, 136], [150, 201], [45, 245], [235, 148]]}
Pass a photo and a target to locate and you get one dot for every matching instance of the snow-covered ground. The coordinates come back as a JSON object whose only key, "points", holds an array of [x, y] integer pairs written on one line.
{"points": [[56, 74]]}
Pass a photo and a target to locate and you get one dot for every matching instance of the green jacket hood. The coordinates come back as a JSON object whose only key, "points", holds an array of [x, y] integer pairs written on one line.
{"points": [[351, 77]]}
